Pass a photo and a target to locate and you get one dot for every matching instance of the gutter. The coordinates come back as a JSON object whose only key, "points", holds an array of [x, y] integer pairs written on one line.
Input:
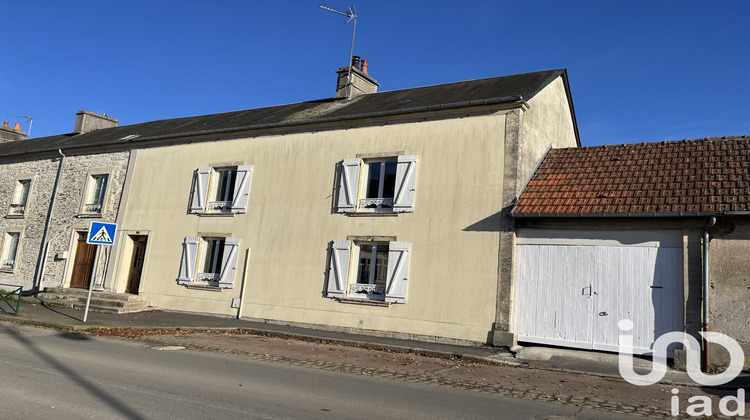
{"points": [[42, 260], [616, 215], [706, 286]]}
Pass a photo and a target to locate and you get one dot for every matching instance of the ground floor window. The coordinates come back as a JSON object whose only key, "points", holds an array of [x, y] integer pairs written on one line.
{"points": [[371, 270], [209, 261], [10, 250]]}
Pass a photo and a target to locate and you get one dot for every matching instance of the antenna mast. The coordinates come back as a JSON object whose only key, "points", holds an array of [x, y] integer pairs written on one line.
{"points": [[29, 119], [351, 14]]}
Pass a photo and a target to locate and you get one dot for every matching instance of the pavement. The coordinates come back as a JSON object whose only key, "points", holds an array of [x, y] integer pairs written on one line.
{"points": [[34, 312]]}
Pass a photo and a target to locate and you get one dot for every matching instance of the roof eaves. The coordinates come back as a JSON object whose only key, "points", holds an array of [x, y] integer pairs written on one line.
{"points": [[402, 111]]}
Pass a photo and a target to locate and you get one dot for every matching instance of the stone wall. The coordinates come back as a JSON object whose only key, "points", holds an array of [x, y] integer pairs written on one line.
{"points": [[67, 217]]}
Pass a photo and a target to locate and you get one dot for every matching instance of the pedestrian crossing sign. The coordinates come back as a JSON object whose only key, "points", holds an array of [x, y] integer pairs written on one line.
{"points": [[101, 233]]}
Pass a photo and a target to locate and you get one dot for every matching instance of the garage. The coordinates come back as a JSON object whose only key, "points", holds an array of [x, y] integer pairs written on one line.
{"points": [[572, 287]]}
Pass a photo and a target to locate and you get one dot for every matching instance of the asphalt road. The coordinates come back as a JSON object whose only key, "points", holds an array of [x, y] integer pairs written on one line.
{"points": [[50, 374]]}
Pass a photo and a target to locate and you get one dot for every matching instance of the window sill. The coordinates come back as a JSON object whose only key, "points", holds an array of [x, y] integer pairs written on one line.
{"points": [[7, 270], [366, 302], [217, 214], [372, 214], [15, 216], [204, 288], [90, 215]]}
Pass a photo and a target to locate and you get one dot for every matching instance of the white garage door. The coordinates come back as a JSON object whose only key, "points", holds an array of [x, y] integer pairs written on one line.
{"points": [[572, 287]]}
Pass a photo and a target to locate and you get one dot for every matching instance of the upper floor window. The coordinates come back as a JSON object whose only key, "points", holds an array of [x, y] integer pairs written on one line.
{"points": [[221, 189], [96, 194], [369, 270], [20, 197], [209, 261], [377, 185], [10, 250]]}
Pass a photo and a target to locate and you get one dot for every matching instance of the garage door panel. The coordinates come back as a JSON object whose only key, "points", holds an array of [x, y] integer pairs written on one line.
{"points": [[573, 291]]}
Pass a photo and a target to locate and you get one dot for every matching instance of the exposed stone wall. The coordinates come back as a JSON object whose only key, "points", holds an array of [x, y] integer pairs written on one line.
{"points": [[43, 172], [66, 218]]}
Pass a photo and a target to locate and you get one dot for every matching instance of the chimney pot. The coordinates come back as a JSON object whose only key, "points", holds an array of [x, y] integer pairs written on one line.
{"points": [[17, 127], [365, 63], [355, 61], [5, 124]]}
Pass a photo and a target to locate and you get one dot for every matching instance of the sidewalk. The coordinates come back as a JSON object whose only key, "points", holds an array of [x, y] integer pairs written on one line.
{"points": [[547, 358]]}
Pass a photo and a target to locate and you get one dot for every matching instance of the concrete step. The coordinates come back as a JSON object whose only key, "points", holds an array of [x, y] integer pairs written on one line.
{"points": [[109, 302]]}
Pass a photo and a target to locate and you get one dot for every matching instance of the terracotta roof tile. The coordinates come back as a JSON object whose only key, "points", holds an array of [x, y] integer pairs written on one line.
{"points": [[687, 176]]}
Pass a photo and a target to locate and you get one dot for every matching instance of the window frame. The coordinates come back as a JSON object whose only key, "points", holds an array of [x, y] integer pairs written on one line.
{"points": [[18, 209], [354, 185], [344, 272], [7, 235], [193, 264], [91, 199], [207, 183]]}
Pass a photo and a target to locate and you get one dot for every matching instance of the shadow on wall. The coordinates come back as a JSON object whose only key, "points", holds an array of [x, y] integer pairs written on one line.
{"points": [[495, 223]]}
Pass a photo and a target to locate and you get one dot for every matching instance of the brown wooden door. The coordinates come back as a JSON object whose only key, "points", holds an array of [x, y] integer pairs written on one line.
{"points": [[83, 264], [136, 265]]}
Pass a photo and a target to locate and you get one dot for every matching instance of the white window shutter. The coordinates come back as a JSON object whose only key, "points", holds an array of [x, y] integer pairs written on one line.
{"points": [[338, 271], [187, 265], [349, 185], [229, 262], [200, 190], [241, 188], [406, 181], [398, 272]]}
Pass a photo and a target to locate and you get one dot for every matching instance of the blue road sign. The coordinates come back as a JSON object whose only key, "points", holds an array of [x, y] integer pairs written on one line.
{"points": [[101, 233]]}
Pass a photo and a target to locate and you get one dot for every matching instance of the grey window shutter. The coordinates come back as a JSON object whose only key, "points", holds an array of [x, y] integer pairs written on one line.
{"points": [[187, 265], [348, 185], [398, 272], [406, 181], [338, 271], [242, 188], [229, 262], [200, 190]]}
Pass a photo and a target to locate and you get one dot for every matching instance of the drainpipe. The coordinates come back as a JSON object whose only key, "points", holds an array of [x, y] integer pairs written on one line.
{"points": [[706, 285], [42, 262]]}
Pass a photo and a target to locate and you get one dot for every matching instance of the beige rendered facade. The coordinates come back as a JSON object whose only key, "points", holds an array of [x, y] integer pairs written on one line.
{"points": [[283, 241]]}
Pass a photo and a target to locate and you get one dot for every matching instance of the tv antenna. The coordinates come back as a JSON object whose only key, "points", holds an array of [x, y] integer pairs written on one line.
{"points": [[29, 120], [351, 14]]}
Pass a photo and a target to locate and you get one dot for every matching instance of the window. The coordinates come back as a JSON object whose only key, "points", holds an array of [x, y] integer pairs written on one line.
{"points": [[96, 194], [209, 261], [377, 185], [381, 270], [20, 198], [221, 189], [10, 250]]}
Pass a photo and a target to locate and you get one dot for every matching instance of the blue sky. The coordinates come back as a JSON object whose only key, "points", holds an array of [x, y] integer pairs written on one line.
{"points": [[639, 70]]}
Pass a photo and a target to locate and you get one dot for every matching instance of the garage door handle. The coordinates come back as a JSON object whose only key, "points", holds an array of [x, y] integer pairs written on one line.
{"points": [[603, 314], [656, 287]]}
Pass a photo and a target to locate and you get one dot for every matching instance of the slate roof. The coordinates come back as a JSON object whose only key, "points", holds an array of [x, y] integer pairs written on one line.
{"points": [[678, 178], [502, 89]]}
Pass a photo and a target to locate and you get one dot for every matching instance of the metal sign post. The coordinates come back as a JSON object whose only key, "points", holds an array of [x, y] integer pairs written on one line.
{"points": [[100, 234]]}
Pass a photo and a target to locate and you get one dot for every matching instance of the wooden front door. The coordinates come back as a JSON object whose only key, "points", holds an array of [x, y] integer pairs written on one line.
{"points": [[136, 264], [83, 264]]}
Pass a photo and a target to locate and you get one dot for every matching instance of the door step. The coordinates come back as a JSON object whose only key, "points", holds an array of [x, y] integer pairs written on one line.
{"points": [[107, 302]]}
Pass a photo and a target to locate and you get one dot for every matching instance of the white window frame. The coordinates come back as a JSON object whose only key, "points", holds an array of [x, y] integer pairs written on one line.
{"points": [[354, 179], [193, 264], [7, 264], [344, 281], [19, 206], [207, 181], [94, 204]]}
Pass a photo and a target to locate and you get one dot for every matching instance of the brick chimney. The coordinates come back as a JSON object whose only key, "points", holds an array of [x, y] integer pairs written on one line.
{"points": [[360, 83], [88, 121], [8, 134]]}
